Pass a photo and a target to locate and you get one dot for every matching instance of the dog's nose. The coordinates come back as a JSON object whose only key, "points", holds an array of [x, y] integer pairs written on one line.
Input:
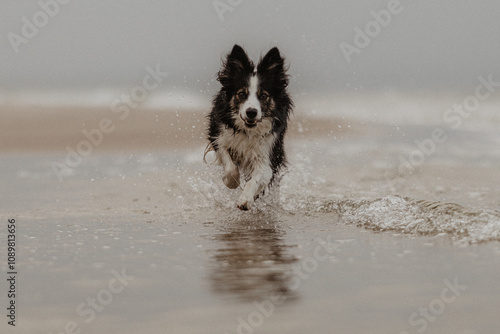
{"points": [[251, 113]]}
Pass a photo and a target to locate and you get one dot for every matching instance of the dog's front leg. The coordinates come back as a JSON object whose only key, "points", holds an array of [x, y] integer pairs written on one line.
{"points": [[260, 178], [231, 176]]}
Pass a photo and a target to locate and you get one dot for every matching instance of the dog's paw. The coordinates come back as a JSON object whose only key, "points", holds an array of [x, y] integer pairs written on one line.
{"points": [[232, 179], [245, 203]]}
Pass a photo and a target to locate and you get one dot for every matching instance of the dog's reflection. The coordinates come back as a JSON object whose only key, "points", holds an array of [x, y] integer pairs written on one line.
{"points": [[252, 262]]}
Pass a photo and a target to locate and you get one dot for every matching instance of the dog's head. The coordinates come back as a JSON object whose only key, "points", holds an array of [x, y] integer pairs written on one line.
{"points": [[254, 92]]}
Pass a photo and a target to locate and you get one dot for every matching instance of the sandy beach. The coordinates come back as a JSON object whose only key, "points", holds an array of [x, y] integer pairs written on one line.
{"points": [[51, 129], [115, 219], [137, 235]]}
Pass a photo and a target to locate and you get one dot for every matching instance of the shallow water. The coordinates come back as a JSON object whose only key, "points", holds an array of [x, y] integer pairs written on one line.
{"points": [[350, 242]]}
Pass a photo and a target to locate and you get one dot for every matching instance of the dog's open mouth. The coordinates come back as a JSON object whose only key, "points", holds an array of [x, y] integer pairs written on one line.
{"points": [[251, 123]]}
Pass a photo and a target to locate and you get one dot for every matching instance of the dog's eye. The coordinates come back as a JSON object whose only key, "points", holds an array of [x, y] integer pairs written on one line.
{"points": [[241, 95], [264, 96]]}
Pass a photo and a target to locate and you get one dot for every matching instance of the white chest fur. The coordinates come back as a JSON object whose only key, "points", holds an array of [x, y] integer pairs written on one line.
{"points": [[250, 150]]}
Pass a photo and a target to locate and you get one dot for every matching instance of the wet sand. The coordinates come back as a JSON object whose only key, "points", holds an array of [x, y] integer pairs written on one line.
{"points": [[142, 237], [35, 129]]}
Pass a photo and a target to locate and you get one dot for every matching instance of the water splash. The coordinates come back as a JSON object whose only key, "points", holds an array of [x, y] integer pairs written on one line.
{"points": [[297, 194]]}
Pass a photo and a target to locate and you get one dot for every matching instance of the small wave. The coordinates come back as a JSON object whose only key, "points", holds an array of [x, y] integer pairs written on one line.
{"points": [[162, 99], [421, 217]]}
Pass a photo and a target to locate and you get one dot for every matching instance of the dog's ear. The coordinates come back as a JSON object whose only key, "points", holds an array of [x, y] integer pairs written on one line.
{"points": [[239, 55], [236, 65], [271, 60], [272, 67]]}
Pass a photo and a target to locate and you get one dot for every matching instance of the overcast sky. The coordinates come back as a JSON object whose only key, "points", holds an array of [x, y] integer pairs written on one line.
{"points": [[93, 43]]}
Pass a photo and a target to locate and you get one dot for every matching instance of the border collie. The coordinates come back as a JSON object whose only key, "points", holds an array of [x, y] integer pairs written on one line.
{"points": [[248, 121]]}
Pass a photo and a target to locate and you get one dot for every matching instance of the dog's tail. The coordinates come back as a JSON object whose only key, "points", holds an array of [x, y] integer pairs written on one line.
{"points": [[209, 149]]}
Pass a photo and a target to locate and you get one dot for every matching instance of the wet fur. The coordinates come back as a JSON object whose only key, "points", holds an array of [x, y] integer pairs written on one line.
{"points": [[251, 147]]}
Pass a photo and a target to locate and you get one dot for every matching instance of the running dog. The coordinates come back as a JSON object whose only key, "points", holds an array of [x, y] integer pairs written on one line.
{"points": [[248, 121]]}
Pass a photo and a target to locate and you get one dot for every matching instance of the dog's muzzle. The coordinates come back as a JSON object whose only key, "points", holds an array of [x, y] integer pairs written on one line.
{"points": [[250, 118]]}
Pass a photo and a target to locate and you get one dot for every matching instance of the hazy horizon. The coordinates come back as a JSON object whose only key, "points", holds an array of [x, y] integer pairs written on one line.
{"points": [[421, 45]]}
